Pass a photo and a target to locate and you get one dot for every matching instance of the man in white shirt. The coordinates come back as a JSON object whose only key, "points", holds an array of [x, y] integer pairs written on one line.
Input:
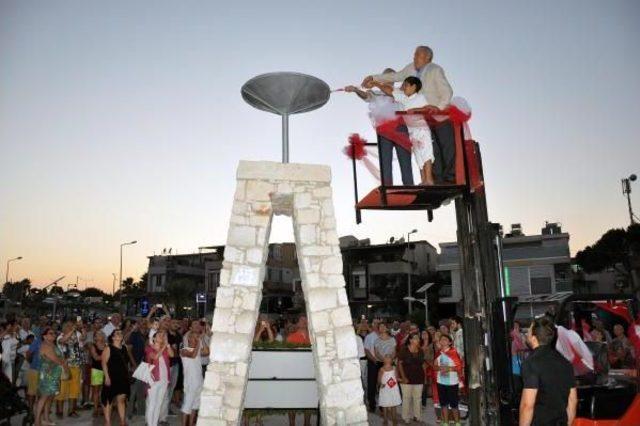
{"points": [[9, 350], [112, 324], [372, 365], [437, 90]]}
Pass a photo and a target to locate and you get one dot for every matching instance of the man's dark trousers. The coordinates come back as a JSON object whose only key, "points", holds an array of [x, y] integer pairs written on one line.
{"points": [[444, 152], [372, 384], [386, 159]]}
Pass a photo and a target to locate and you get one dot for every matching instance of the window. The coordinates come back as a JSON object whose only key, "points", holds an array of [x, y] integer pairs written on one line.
{"points": [[277, 252], [446, 286], [358, 284], [541, 285]]}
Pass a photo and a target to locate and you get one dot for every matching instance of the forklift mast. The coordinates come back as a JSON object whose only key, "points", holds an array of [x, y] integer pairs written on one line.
{"points": [[485, 323]]}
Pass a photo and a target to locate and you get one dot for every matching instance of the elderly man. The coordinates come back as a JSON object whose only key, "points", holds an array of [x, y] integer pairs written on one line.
{"points": [[437, 90]]}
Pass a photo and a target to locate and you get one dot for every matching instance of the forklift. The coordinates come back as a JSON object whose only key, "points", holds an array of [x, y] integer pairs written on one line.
{"points": [[493, 395]]}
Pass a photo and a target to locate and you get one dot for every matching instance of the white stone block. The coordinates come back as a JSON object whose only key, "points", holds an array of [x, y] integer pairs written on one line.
{"points": [[233, 397], [232, 254], [332, 265], [210, 403], [341, 317], [333, 280], [241, 236], [250, 301], [289, 172], [246, 276], [211, 382], [224, 297], [356, 414], [343, 394], [222, 320], [307, 234], [254, 256], [307, 216], [259, 190], [240, 208], [228, 347], [345, 339], [301, 200], [316, 250], [245, 322], [342, 297], [319, 299], [320, 322], [350, 369], [322, 192]]}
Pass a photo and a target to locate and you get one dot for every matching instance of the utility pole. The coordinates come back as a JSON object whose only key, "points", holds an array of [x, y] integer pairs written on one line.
{"points": [[6, 277], [120, 276], [626, 190], [410, 263]]}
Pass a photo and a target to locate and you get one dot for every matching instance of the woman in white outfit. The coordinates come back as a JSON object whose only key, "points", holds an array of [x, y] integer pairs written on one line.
{"points": [[192, 371], [157, 354]]}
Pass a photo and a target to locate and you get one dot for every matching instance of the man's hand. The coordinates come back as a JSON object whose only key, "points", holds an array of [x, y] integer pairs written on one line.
{"points": [[350, 89], [430, 109], [367, 81]]}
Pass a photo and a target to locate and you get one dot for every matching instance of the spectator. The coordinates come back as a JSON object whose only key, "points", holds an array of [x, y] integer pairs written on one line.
{"points": [[137, 342], [448, 366], [157, 354], [411, 365], [428, 351], [385, 344], [264, 331], [52, 365], [112, 324], [9, 349], [97, 374], [193, 379], [599, 325], [175, 340], [389, 394], [621, 354], [549, 396], [518, 347], [70, 344], [363, 361], [458, 336], [205, 331], [372, 365], [115, 365], [33, 357], [24, 368]]}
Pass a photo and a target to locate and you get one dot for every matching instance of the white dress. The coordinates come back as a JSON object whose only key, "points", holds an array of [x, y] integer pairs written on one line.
{"points": [[192, 370], [390, 390]]}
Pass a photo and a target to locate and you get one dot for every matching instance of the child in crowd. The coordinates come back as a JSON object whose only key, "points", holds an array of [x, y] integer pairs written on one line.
{"points": [[449, 373], [410, 98], [389, 396]]}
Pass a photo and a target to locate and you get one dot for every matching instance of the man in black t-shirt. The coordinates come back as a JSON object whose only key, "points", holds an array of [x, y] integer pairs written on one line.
{"points": [[549, 396]]}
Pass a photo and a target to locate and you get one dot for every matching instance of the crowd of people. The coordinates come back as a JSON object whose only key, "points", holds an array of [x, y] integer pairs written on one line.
{"points": [[402, 366], [79, 364]]}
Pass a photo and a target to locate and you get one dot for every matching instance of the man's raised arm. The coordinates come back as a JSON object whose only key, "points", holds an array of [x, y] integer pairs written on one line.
{"points": [[389, 77]]}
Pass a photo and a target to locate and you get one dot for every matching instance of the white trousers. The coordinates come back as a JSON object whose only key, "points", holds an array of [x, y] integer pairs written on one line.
{"points": [[420, 136], [173, 381], [155, 398], [411, 398]]}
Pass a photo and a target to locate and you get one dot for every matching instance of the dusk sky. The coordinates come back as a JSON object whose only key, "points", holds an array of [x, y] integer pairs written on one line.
{"points": [[122, 120]]}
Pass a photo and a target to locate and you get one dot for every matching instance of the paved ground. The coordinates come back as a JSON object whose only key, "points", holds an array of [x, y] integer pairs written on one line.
{"points": [[87, 420]]}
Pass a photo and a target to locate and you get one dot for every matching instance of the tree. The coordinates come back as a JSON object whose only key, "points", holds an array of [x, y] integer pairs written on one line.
{"points": [[617, 248], [92, 292], [16, 291], [56, 289], [181, 292]]}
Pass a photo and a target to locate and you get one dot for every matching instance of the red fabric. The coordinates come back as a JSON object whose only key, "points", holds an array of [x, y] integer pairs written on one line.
{"points": [[299, 338], [389, 129], [356, 147], [617, 308], [155, 372]]}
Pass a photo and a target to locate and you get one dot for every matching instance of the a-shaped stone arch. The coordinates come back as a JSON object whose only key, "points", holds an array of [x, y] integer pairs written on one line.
{"points": [[303, 192]]}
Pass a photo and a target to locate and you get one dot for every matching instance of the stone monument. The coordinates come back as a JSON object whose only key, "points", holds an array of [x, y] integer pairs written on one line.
{"points": [[302, 191]]}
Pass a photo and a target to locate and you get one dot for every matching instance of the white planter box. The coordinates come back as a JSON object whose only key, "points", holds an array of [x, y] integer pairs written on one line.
{"points": [[281, 379]]}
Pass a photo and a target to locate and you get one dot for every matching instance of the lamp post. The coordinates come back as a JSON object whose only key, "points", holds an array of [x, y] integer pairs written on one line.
{"points": [[410, 270], [120, 276], [626, 190], [6, 277]]}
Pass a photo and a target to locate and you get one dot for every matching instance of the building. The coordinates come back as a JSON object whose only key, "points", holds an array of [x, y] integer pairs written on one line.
{"points": [[378, 276], [281, 282], [535, 266]]}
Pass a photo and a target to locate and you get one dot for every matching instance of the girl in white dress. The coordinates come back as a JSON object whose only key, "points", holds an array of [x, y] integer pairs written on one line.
{"points": [[389, 394]]}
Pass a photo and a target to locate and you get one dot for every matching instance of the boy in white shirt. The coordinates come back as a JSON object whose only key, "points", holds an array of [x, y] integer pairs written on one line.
{"points": [[409, 97]]}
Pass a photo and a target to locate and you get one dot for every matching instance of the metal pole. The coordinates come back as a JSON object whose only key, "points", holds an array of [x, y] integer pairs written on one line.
{"points": [[6, 277], [409, 274], [426, 309], [285, 138], [120, 276], [113, 291]]}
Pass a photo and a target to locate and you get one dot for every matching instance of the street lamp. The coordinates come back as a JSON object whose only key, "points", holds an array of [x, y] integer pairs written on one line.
{"points": [[410, 269], [626, 190], [6, 278], [120, 276]]}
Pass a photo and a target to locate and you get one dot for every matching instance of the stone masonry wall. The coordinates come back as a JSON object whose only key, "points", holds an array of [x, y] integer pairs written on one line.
{"points": [[303, 192]]}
